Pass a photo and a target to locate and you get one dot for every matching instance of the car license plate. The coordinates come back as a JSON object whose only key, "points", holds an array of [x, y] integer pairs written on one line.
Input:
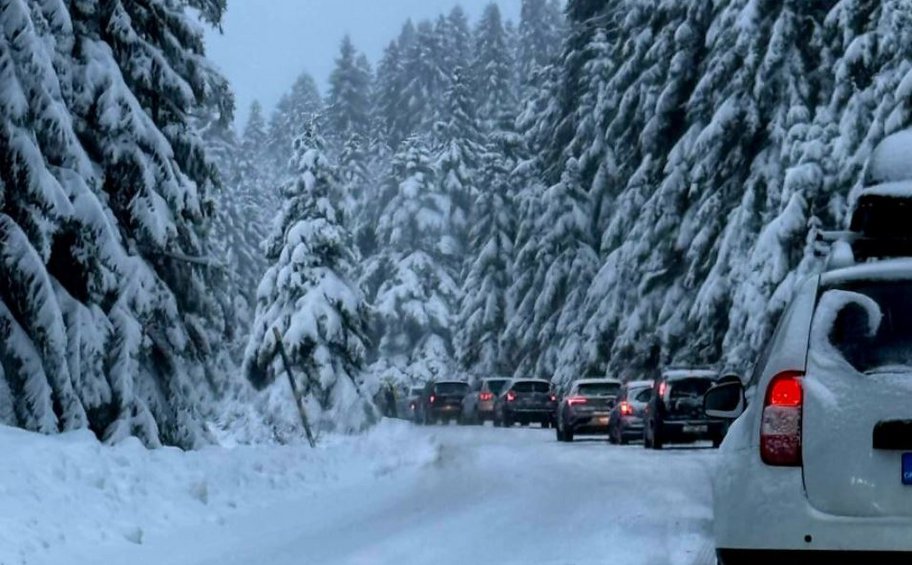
{"points": [[696, 429], [907, 469]]}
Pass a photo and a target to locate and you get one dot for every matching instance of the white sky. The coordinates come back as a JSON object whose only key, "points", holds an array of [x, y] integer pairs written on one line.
{"points": [[267, 43]]}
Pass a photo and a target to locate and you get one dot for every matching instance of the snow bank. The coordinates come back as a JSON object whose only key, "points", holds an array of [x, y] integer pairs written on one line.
{"points": [[69, 495]]}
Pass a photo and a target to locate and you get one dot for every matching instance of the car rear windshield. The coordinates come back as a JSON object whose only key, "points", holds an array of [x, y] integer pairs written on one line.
{"points": [[531, 386], [415, 391], [451, 388], [599, 389], [640, 394], [497, 386], [690, 388], [870, 324]]}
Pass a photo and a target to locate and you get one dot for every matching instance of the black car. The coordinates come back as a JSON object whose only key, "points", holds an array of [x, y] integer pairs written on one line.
{"points": [[675, 413], [585, 409], [525, 401], [441, 401]]}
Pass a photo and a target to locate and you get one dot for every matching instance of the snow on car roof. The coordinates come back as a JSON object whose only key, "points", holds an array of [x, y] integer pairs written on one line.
{"points": [[595, 381], [890, 159], [889, 269], [637, 384], [893, 189], [673, 374]]}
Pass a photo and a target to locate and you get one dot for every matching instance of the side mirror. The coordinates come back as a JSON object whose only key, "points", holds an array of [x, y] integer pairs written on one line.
{"points": [[725, 400]]}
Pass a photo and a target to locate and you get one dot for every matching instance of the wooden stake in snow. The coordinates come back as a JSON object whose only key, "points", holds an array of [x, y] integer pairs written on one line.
{"points": [[294, 386]]}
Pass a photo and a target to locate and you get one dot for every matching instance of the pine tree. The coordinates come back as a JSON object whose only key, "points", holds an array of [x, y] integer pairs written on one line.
{"points": [[415, 291], [308, 298], [539, 38], [493, 71], [291, 117], [349, 104], [110, 305], [484, 310]]}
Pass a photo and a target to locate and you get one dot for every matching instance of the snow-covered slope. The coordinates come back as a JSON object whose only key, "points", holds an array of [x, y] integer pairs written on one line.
{"points": [[68, 499]]}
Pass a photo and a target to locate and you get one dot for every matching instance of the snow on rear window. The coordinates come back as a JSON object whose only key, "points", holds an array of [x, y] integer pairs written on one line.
{"points": [[868, 324]]}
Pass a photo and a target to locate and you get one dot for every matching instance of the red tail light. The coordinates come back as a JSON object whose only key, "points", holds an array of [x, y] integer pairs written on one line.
{"points": [[780, 429], [575, 400], [486, 396], [663, 386], [626, 409], [432, 398], [553, 397], [511, 396]]}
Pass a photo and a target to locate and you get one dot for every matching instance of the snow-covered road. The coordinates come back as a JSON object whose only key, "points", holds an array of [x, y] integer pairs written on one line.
{"points": [[490, 496], [471, 496]]}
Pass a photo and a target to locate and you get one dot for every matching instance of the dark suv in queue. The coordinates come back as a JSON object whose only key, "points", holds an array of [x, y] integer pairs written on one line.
{"points": [[586, 408], [675, 412], [525, 401], [441, 401]]}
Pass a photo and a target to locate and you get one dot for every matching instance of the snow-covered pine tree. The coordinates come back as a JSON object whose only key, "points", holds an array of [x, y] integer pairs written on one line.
{"points": [[391, 122], [412, 279], [493, 72], [110, 311], [484, 310], [348, 106], [291, 117], [455, 38], [540, 34], [424, 81], [307, 296], [458, 159]]}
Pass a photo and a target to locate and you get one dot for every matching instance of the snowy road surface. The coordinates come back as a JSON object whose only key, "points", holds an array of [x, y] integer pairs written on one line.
{"points": [[478, 496]]}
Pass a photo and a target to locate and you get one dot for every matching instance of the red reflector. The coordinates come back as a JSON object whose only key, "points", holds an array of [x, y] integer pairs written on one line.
{"points": [[780, 427], [574, 400], [511, 396], [553, 397]]}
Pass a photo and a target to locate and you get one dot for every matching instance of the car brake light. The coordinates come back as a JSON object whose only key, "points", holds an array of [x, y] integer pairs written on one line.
{"points": [[432, 398], [486, 396], [663, 386], [511, 396], [574, 400], [553, 397], [780, 429], [626, 409]]}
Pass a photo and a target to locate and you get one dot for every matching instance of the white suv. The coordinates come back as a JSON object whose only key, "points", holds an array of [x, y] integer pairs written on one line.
{"points": [[818, 468]]}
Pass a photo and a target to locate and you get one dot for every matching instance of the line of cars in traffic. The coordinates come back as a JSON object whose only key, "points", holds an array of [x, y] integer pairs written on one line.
{"points": [[661, 411]]}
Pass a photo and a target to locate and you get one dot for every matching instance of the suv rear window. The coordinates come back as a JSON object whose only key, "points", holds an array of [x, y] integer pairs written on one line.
{"points": [[640, 394], [496, 386], [870, 324], [689, 388], [599, 389], [451, 388], [530, 386]]}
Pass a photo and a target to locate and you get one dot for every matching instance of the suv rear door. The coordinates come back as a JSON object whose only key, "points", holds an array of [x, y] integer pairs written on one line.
{"points": [[859, 376], [684, 398]]}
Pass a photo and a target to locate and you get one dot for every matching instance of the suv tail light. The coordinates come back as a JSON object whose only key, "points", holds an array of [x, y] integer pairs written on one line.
{"points": [[574, 400], [486, 396], [626, 409], [780, 429], [432, 398], [511, 396]]}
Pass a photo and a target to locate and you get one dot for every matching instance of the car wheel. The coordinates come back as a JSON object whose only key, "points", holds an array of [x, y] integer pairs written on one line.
{"points": [[545, 424], [717, 442], [559, 434], [623, 440], [612, 438], [647, 441], [569, 435]]}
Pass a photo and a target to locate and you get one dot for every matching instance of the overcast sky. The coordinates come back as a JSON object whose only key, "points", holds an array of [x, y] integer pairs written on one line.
{"points": [[267, 43]]}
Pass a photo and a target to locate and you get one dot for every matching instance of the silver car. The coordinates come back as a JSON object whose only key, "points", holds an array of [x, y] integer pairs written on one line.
{"points": [[478, 405], [626, 420]]}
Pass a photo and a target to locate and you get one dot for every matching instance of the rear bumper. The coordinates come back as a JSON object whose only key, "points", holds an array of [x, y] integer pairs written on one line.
{"points": [[750, 557], [530, 413], [445, 411], [593, 423], [688, 430], [761, 508]]}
